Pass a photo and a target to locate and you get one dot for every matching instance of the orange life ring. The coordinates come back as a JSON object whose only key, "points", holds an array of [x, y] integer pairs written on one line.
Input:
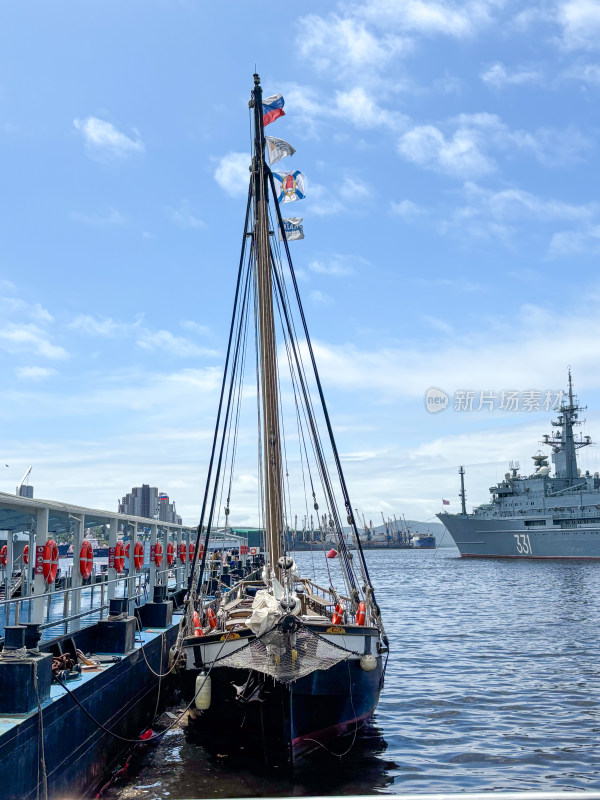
{"points": [[158, 554], [86, 559], [26, 554], [4, 556], [212, 619], [182, 552], [338, 614], [170, 554], [192, 550], [50, 561], [361, 614], [119, 558], [138, 555]]}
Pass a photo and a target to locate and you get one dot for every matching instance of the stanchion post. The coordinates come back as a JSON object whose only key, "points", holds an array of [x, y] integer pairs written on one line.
{"points": [[76, 578], [112, 544], [39, 584]]}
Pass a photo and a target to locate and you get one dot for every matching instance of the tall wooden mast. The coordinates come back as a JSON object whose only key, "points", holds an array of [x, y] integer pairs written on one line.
{"points": [[273, 497]]}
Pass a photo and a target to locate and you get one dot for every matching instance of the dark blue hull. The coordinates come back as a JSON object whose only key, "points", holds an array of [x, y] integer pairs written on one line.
{"points": [[76, 753], [331, 703], [283, 723]]}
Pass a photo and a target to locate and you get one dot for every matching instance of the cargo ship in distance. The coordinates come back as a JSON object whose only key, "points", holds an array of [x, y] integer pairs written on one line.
{"points": [[540, 515]]}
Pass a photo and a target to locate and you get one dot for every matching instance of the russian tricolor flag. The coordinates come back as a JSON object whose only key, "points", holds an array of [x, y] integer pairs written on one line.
{"points": [[272, 109]]}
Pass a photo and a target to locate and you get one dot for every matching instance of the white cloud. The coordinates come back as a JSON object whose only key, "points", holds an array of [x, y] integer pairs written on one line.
{"points": [[16, 338], [497, 75], [101, 326], [233, 175], [368, 36], [320, 298], [34, 373], [340, 43], [475, 358], [335, 265], [580, 242], [361, 109], [195, 327], [461, 146], [184, 217], [461, 155], [102, 138], [457, 20], [407, 209], [580, 23], [503, 214], [165, 341], [110, 217]]}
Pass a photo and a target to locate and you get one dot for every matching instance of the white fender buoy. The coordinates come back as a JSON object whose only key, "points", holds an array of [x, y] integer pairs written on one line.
{"points": [[203, 692], [368, 662]]}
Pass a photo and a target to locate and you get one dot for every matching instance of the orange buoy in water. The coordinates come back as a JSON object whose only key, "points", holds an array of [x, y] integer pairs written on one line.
{"points": [[332, 553], [361, 614], [338, 614]]}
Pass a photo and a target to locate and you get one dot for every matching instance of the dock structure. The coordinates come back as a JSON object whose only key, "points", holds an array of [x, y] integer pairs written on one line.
{"points": [[59, 735]]}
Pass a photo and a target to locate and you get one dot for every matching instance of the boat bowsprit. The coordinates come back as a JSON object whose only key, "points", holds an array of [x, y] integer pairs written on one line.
{"points": [[270, 657]]}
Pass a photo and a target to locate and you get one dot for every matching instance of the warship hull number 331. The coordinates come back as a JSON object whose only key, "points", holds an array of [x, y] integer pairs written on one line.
{"points": [[540, 515]]}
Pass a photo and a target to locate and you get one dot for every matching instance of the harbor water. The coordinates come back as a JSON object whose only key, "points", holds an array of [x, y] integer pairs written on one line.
{"points": [[493, 683]]}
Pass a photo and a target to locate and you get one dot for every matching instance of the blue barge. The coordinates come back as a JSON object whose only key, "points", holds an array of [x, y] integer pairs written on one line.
{"points": [[60, 740], [63, 720]]}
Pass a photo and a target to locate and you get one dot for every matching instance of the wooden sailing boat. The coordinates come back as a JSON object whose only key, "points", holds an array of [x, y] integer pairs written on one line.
{"points": [[275, 658]]}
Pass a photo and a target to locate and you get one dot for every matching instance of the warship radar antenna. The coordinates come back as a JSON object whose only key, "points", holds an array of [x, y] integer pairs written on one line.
{"points": [[462, 495], [563, 442]]}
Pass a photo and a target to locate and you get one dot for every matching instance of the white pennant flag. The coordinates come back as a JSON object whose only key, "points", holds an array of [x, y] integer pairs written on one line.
{"points": [[293, 229], [278, 149]]}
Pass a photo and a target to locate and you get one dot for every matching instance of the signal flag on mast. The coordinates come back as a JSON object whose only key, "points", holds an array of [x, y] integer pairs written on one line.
{"points": [[272, 109]]}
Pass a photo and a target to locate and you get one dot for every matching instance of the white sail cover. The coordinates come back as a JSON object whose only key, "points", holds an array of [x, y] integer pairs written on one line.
{"points": [[265, 611]]}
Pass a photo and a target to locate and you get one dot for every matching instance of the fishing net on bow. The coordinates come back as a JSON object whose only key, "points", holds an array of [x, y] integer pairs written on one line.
{"points": [[287, 656]]}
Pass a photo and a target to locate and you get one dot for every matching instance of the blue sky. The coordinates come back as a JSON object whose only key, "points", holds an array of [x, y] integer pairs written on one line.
{"points": [[452, 229]]}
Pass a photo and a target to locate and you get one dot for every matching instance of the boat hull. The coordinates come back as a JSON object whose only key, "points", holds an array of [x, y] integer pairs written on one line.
{"points": [[509, 537], [285, 721]]}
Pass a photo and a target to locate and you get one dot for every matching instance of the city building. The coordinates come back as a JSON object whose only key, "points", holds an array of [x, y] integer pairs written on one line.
{"points": [[147, 501]]}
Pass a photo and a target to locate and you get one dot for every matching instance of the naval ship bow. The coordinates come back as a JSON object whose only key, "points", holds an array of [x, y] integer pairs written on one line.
{"points": [[275, 660], [541, 515]]}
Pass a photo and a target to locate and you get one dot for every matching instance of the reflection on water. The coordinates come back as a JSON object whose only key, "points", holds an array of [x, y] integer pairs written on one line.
{"points": [[181, 767], [492, 683]]}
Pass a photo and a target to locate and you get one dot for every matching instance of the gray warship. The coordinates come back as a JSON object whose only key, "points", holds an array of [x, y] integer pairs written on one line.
{"points": [[540, 515]]}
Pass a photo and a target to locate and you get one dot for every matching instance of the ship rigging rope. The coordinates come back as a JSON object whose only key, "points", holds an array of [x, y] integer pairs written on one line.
{"points": [[237, 381], [351, 519], [192, 583], [225, 424], [317, 443], [154, 736], [298, 405], [321, 461]]}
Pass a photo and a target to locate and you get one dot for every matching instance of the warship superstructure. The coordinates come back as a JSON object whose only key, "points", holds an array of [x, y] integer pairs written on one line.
{"points": [[541, 515]]}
